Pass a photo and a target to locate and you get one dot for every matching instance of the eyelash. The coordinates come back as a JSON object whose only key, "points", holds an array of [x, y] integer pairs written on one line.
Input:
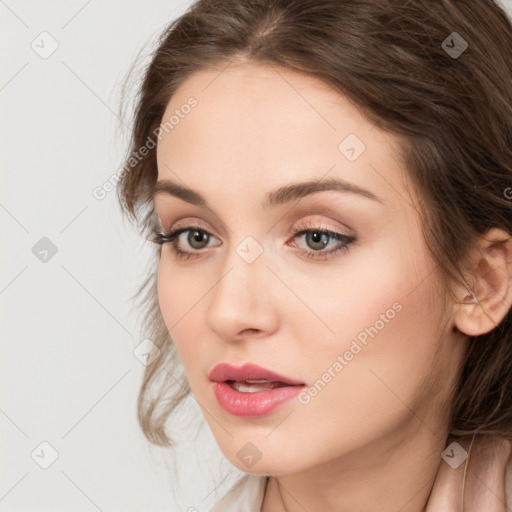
{"points": [[170, 236]]}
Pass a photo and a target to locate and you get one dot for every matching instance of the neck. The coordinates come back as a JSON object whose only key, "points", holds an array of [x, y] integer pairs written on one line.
{"points": [[398, 476]]}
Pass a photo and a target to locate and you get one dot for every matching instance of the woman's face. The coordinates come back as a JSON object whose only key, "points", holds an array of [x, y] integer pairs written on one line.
{"points": [[356, 320]]}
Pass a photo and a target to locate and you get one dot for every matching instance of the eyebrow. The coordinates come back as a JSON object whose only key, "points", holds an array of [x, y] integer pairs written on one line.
{"points": [[274, 198]]}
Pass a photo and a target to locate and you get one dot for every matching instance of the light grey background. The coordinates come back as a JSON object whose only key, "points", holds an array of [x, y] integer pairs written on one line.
{"points": [[69, 374]]}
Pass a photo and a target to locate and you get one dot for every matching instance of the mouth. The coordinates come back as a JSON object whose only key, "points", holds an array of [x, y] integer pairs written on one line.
{"points": [[254, 386], [251, 390]]}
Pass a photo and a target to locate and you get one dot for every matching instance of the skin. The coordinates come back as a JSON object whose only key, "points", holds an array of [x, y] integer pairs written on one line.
{"points": [[380, 420]]}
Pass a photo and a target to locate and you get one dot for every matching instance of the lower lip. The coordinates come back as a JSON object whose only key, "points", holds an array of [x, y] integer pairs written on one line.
{"points": [[255, 404]]}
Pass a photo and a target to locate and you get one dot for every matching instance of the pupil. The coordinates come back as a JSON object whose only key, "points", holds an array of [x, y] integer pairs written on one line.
{"points": [[319, 238], [197, 237]]}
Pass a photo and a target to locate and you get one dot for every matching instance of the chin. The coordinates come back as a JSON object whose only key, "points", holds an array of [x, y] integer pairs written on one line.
{"points": [[258, 460]]}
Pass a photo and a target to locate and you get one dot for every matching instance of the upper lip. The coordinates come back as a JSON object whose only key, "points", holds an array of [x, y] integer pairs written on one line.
{"points": [[224, 371]]}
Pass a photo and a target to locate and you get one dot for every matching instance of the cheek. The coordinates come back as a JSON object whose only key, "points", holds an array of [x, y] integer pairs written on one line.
{"points": [[177, 293], [372, 294], [182, 297], [386, 326], [179, 288], [166, 300]]}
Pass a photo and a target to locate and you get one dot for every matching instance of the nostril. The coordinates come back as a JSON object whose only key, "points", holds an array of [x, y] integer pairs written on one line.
{"points": [[249, 331]]}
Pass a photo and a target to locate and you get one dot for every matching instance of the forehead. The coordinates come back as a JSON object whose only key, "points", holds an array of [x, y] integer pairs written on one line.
{"points": [[256, 122]]}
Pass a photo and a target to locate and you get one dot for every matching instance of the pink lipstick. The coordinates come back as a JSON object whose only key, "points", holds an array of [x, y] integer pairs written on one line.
{"points": [[250, 390]]}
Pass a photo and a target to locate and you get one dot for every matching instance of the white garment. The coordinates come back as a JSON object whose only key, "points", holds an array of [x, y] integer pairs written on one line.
{"points": [[247, 494]]}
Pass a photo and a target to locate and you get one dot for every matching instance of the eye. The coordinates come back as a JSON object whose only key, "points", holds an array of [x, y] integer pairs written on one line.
{"points": [[197, 238], [317, 238]]}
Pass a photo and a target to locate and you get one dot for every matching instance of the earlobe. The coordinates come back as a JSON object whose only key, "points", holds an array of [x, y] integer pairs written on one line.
{"points": [[482, 307]]}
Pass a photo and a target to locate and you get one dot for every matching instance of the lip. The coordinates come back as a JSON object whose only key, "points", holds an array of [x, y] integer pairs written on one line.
{"points": [[224, 371], [259, 403]]}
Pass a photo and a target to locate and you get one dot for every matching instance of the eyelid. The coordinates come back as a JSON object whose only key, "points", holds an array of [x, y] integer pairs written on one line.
{"points": [[313, 222], [319, 222], [167, 212], [189, 222]]}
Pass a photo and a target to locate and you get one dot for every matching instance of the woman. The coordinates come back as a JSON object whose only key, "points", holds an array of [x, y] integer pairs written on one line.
{"points": [[329, 183]]}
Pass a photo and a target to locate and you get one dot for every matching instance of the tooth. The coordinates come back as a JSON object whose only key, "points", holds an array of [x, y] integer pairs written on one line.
{"points": [[251, 388]]}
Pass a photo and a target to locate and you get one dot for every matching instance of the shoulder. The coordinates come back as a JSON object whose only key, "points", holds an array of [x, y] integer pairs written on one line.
{"points": [[245, 496]]}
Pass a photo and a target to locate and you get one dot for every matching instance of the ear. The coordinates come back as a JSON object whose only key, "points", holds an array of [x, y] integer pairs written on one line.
{"points": [[481, 308]]}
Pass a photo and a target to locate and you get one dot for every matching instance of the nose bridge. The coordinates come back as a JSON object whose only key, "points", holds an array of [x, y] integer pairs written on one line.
{"points": [[240, 298]]}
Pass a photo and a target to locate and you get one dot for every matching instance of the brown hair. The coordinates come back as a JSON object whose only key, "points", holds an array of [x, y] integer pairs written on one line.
{"points": [[392, 58]]}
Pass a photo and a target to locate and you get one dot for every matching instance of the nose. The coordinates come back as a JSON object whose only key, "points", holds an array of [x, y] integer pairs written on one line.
{"points": [[242, 303]]}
